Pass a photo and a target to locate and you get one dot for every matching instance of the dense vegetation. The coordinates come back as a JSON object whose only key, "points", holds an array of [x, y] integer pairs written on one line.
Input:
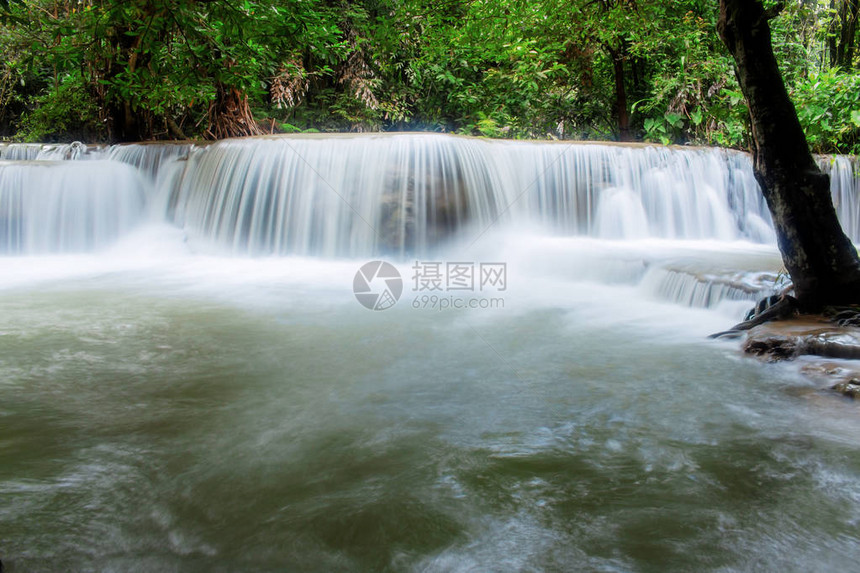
{"points": [[624, 69]]}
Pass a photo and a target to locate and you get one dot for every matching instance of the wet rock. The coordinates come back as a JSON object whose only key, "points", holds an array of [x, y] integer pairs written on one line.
{"points": [[850, 388], [831, 352], [422, 205], [825, 370], [804, 335], [834, 344], [842, 376], [772, 348]]}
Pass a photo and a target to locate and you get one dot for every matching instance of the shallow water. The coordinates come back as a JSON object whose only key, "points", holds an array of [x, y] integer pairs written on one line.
{"points": [[167, 412]]}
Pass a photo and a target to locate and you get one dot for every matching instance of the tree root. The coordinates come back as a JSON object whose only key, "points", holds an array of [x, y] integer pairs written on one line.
{"points": [[230, 116], [843, 315], [765, 311]]}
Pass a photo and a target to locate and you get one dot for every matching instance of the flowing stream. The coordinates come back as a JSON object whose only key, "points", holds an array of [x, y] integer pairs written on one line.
{"points": [[189, 383]]}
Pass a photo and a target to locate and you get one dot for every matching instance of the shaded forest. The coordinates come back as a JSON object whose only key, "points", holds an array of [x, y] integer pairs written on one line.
{"points": [[110, 70]]}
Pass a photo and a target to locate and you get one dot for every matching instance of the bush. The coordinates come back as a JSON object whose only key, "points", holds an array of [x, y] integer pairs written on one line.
{"points": [[66, 111]]}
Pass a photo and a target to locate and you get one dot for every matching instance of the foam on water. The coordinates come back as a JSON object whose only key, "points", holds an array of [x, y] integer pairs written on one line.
{"points": [[677, 225]]}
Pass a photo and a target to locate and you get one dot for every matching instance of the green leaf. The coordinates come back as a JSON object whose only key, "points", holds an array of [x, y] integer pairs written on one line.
{"points": [[697, 116], [676, 120]]}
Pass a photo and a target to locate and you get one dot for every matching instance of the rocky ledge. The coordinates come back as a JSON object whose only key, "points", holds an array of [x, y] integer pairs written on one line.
{"points": [[836, 349]]}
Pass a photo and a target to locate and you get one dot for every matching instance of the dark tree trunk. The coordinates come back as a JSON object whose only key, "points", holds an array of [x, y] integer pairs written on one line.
{"points": [[821, 260], [848, 32], [621, 112], [841, 47], [124, 124], [832, 43]]}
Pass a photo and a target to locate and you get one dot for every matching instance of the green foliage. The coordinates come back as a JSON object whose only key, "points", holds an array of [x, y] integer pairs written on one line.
{"points": [[67, 109], [497, 68], [828, 106]]}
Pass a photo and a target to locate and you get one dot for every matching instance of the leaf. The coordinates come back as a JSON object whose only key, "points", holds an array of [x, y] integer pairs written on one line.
{"points": [[855, 117], [676, 120], [697, 116]]}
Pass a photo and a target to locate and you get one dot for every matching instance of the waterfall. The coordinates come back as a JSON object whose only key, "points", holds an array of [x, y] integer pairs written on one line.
{"points": [[703, 289], [66, 206], [49, 151], [20, 151], [149, 158], [347, 196], [341, 196], [844, 185], [401, 195]]}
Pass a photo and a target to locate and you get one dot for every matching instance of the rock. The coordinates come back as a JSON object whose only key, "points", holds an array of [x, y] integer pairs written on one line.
{"points": [[422, 205], [842, 376], [850, 388], [819, 342], [772, 348], [803, 335], [827, 371], [837, 344]]}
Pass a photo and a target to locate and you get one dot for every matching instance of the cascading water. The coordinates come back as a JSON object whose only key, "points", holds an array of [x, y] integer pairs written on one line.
{"points": [[404, 194], [149, 158], [20, 151], [187, 382], [58, 207], [334, 196], [844, 187], [395, 195], [49, 151], [353, 196]]}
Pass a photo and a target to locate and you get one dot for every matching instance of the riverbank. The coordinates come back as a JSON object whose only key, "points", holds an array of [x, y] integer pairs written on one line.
{"points": [[826, 352]]}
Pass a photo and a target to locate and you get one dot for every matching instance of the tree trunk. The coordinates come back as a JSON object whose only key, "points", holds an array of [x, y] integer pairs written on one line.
{"points": [[124, 125], [832, 42], [841, 44], [821, 260], [851, 11], [621, 111], [230, 115]]}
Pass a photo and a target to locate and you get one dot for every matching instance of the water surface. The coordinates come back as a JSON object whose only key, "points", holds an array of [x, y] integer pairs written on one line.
{"points": [[179, 413]]}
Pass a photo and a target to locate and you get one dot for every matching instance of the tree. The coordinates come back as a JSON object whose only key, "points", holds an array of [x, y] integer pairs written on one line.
{"points": [[841, 40], [821, 260], [157, 68]]}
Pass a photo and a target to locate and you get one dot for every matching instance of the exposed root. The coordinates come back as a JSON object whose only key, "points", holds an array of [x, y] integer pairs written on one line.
{"points": [[770, 308], [843, 315], [230, 116]]}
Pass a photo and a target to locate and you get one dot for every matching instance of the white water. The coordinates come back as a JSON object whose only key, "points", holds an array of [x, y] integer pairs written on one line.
{"points": [[403, 196], [408, 194], [70, 206], [188, 383]]}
